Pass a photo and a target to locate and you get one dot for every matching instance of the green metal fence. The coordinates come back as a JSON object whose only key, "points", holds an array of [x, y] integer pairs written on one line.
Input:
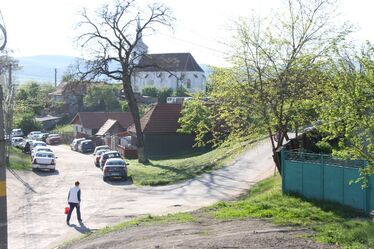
{"points": [[321, 177]]}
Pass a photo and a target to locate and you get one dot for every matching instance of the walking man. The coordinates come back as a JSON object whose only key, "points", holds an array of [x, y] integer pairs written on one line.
{"points": [[74, 199]]}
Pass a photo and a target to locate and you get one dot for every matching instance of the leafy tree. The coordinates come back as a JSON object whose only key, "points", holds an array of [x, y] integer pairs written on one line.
{"points": [[346, 106], [150, 91], [283, 61], [196, 118], [34, 96], [101, 98], [111, 37], [27, 123], [180, 91], [163, 94]]}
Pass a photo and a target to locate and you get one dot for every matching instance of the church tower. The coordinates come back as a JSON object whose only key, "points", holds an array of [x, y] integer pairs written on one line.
{"points": [[140, 48]]}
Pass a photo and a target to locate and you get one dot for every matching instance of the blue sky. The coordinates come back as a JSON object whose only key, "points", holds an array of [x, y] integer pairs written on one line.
{"points": [[46, 26]]}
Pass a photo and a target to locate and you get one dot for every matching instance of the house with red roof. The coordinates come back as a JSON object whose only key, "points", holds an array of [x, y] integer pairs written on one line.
{"points": [[88, 124], [159, 126]]}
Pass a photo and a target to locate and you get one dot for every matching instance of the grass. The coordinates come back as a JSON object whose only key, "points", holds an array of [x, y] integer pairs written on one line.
{"points": [[167, 171], [331, 222], [64, 128], [18, 160]]}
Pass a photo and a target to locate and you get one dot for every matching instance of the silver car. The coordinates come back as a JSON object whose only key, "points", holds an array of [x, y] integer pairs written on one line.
{"points": [[115, 168]]}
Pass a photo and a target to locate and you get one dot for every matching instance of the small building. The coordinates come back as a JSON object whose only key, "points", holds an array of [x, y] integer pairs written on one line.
{"points": [[87, 124], [108, 132], [159, 126], [48, 121]]}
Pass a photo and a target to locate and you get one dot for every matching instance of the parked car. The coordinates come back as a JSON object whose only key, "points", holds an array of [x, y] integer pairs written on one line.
{"points": [[101, 147], [17, 141], [107, 155], [40, 149], [115, 167], [86, 146], [44, 160], [53, 139], [33, 135], [35, 143], [97, 156], [17, 133], [74, 144]]}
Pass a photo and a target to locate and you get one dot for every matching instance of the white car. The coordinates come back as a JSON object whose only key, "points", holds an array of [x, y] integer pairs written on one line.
{"points": [[101, 147], [17, 133], [34, 135], [35, 143], [44, 160], [40, 149], [17, 141]]}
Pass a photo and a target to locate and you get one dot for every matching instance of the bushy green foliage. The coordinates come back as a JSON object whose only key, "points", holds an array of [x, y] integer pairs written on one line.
{"points": [[324, 147], [163, 94], [181, 92], [150, 91], [27, 123], [102, 98]]}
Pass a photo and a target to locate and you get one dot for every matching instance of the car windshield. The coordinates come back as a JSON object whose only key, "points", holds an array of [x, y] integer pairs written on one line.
{"points": [[100, 152], [46, 155], [112, 155], [53, 135], [116, 162]]}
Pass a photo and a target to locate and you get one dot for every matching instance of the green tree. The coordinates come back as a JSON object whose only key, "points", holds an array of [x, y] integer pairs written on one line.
{"points": [[163, 94], [283, 60], [102, 98], [27, 123], [150, 91], [181, 92], [196, 118], [346, 106]]}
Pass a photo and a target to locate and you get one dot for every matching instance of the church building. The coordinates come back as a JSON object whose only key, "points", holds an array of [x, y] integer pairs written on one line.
{"points": [[169, 70]]}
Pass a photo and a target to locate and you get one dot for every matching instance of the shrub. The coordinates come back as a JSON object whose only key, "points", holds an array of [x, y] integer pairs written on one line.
{"points": [[324, 147]]}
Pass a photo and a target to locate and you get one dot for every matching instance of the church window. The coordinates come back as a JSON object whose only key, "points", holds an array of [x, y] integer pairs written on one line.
{"points": [[188, 84], [195, 76]]}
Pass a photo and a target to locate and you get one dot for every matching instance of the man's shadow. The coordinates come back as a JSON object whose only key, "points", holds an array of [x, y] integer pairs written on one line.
{"points": [[81, 228]]}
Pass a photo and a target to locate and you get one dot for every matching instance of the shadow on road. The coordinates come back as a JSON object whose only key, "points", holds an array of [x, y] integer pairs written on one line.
{"points": [[46, 173], [81, 228], [120, 182]]}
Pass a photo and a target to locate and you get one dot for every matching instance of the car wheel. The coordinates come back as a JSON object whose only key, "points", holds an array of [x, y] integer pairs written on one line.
{"points": [[104, 179], [52, 170], [124, 177]]}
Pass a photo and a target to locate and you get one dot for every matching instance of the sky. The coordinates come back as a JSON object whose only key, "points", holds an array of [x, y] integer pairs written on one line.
{"points": [[46, 27]]}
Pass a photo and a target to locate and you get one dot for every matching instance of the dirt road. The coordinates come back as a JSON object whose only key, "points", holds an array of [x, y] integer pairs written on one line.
{"points": [[36, 201]]}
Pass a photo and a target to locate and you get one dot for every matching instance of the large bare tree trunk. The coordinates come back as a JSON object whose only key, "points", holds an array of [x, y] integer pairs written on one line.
{"points": [[142, 155]]}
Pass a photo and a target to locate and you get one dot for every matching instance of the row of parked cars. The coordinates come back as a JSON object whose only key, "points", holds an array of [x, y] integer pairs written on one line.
{"points": [[109, 161]]}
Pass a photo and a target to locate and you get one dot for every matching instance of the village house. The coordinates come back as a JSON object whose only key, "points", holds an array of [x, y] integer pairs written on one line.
{"points": [[159, 126], [87, 124]]}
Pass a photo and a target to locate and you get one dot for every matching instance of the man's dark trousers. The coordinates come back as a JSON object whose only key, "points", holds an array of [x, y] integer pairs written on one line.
{"points": [[72, 206]]}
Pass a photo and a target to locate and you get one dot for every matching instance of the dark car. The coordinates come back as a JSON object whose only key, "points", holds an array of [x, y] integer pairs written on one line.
{"points": [[108, 155], [53, 139], [86, 146]]}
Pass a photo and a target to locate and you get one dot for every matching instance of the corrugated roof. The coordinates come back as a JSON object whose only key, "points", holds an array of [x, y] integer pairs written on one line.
{"points": [[162, 118], [170, 62], [106, 127], [94, 120]]}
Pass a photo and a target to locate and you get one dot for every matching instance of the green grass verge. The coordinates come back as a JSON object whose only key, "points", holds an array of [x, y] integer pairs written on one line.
{"points": [[145, 221], [19, 160], [332, 222], [64, 128], [167, 171]]}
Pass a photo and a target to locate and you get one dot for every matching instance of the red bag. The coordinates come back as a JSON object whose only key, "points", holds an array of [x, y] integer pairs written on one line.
{"points": [[67, 209]]}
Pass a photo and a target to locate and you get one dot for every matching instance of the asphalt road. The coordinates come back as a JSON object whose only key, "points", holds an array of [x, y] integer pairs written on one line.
{"points": [[36, 200]]}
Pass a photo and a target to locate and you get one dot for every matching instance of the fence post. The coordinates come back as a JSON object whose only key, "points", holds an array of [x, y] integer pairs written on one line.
{"points": [[322, 177], [283, 153]]}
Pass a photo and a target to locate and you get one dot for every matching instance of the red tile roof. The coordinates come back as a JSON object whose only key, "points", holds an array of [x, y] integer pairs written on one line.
{"points": [[94, 120], [162, 118]]}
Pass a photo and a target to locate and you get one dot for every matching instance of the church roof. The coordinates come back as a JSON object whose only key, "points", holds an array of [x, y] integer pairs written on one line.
{"points": [[170, 62]]}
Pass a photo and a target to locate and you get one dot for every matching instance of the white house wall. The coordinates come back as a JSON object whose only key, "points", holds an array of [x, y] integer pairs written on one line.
{"points": [[192, 81]]}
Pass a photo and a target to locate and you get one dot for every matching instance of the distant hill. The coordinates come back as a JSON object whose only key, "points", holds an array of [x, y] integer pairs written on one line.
{"points": [[41, 68]]}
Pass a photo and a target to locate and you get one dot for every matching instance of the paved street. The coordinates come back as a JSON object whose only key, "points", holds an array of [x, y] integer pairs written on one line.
{"points": [[36, 200]]}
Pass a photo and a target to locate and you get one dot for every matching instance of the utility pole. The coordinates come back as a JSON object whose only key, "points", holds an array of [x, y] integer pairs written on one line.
{"points": [[3, 200], [55, 77]]}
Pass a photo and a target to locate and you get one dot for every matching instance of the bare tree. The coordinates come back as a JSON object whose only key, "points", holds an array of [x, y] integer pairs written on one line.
{"points": [[111, 37]]}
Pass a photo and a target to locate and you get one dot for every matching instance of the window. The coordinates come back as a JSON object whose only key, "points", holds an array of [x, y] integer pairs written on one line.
{"points": [[188, 84]]}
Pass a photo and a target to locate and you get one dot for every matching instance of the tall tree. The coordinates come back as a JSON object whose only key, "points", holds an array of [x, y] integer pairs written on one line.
{"points": [[112, 37], [283, 60], [346, 106]]}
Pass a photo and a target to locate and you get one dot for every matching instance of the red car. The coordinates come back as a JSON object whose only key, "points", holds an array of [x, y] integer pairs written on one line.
{"points": [[53, 139]]}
